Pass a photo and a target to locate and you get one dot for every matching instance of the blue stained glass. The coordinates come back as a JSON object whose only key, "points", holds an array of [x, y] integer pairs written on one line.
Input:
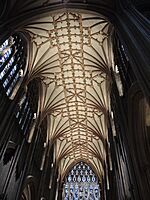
{"points": [[76, 191], [69, 178], [74, 178], [93, 178], [79, 178], [88, 179], [6, 82], [8, 92], [83, 178], [81, 183], [4, 45], [10, 52]]}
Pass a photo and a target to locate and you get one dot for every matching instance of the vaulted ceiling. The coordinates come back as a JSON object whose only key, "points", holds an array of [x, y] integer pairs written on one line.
{"points": [[72, 55], [71, 52]]}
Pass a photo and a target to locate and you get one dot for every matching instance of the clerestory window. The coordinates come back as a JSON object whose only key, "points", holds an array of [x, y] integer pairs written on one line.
{"points": [[27, 107], [12, 62]]}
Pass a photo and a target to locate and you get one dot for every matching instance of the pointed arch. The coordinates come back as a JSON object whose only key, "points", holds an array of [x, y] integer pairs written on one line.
{"points": [[28, 192], [81, 182]]}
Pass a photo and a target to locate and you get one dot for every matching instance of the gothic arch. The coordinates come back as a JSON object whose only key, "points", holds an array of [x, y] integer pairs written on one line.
{"points": [[81, 183], [28, 192], [75, 163]]}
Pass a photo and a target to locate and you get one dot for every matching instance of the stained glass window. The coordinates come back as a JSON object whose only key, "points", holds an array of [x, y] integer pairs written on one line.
{"points": [[24, 114], [12, 62], [81, 183], [27, 107]]}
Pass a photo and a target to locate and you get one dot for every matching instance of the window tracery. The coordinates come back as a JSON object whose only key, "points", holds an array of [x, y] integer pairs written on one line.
{"points": [[81, 183], [12, 62], [27, 107]]}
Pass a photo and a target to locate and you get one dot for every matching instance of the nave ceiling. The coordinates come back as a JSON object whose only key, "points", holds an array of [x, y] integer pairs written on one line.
{"points": [[71, 53]]}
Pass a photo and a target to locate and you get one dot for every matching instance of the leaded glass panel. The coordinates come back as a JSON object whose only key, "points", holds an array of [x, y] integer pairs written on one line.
{"points": [[12, 60], [81, 183]]}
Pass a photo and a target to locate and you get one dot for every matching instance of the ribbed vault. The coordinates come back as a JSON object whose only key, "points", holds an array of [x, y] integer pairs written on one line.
{"points": [[71, 53]]}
